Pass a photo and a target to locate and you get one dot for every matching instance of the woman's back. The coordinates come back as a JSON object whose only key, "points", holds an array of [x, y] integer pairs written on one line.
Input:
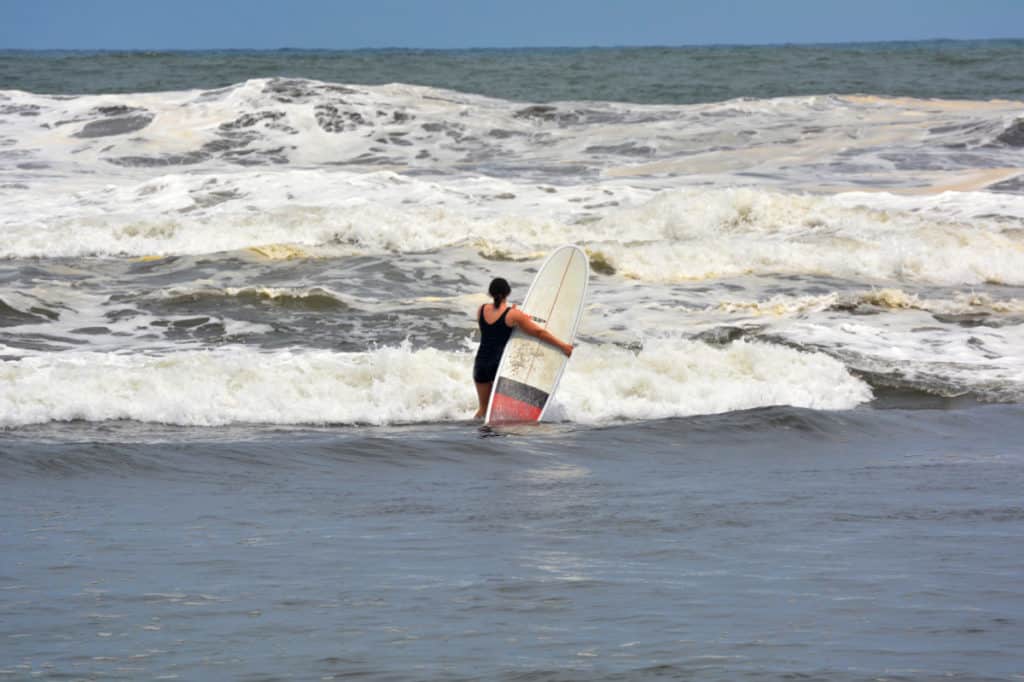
{"points": [[493, 335]]}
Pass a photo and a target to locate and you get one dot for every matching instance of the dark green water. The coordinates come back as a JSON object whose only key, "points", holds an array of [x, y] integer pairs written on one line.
{"points": [[664, 75]]}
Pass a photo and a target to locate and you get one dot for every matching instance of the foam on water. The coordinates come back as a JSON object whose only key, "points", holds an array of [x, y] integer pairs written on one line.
{"points": [[694, 234], [799, 141], [345, 211], [948, 343], [912, 351], [819, 222], [968, 305], [673, 235], [667, 378], [672, 378]]}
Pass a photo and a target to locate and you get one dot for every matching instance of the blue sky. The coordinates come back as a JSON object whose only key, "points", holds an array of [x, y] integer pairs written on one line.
{"points": [[342, 24]]}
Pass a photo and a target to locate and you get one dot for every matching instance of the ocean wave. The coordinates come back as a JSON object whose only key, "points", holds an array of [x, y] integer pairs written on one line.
{"points": [[692, 235], [962, 303], [1013, 134], [284, 214], [666, 236], [948, 354], [667, 378], [671, 378], [816, 141], [317, 299], [888, 298]]}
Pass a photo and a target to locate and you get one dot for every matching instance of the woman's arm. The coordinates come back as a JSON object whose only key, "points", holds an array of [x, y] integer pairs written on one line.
{"points": [[520, 319]]}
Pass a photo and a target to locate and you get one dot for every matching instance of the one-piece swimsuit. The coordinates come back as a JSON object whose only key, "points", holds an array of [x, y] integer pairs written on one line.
{"points": [[493, 338]]}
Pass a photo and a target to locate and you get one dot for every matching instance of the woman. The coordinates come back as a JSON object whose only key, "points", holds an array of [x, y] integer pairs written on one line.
{"points": [[497, 320]]}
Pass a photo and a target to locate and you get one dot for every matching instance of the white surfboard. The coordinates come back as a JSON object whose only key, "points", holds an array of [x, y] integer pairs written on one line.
{"points": [[530, 368]]}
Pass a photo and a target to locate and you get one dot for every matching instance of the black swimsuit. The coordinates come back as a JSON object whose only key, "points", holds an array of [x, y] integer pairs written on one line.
{"points": [[493, 338]]}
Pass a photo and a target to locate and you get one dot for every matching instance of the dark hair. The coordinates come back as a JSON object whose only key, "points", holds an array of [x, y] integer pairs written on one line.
{"points": [[499, 290]]}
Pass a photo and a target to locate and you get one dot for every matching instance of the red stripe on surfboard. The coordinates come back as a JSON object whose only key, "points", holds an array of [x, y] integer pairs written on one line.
{"points": [[505, 409]]}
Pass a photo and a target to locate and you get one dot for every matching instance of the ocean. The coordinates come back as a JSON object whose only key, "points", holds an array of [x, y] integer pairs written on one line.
{"points": [[237, 323]]}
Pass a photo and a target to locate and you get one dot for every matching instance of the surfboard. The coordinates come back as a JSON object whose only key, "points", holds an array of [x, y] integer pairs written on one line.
{"points": [[530, 369]]}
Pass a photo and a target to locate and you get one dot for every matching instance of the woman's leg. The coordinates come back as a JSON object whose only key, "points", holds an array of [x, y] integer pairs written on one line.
{"points": [[483, 394]]}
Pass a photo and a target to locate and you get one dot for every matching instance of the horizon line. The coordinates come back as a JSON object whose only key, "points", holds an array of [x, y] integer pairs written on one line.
{"points": [[624, 46]]}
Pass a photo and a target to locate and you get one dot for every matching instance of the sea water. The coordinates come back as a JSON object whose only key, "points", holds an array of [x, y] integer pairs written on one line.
{"points": [[237, 300]]}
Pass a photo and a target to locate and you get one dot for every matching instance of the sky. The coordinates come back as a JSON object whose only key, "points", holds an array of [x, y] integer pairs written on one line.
{"points": [[446, 24]]}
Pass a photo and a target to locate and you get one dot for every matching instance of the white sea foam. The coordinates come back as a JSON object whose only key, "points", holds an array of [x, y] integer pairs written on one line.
{"points": [[672, 378], [693, 235], [804, 141], [963, 342], [673, 235], [341, 212], [737, 215], [945, 206], [960, 303], [400, 385], [262, 293], [912, 351]]}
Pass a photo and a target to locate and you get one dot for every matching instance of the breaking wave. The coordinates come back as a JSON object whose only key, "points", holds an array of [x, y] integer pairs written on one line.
{"points": [[667, 378], [672, 235]]}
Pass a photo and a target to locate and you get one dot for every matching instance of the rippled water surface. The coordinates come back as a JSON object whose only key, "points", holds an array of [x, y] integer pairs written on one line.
{"points": [[778, 542]]}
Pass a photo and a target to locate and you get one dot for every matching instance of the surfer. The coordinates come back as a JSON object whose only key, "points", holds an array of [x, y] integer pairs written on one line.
{"points": [[497, 320]]}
